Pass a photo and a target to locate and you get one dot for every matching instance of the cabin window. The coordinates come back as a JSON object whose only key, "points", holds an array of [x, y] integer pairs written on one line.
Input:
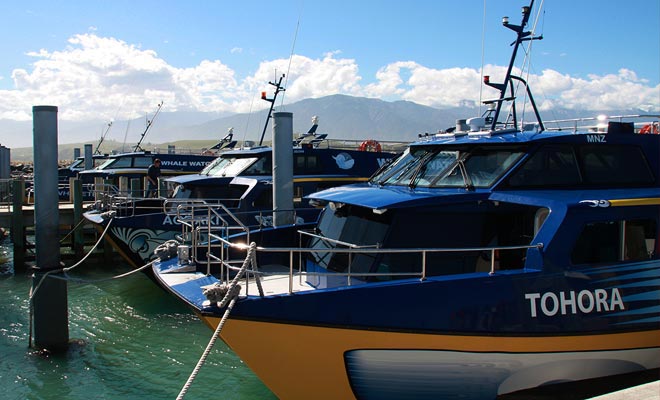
{"points": [[549, 166], [142, 162], [263, 166], [615, 241], [229, 166], [401, 170], [120, 162], [347, 229], [615, 165], [305, 164], [480, 167], [264, 200]]}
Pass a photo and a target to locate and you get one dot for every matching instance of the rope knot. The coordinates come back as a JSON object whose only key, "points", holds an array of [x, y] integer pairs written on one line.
{"points": [[166, 250], [220, 292]]}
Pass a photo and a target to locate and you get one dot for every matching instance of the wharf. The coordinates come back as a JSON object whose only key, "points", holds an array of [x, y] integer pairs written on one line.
{"points": [[76, 236], [647, 391], [66, 215]]}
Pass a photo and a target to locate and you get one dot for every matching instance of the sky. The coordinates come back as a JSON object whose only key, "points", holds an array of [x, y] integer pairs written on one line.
{"points": [[100, 60]]}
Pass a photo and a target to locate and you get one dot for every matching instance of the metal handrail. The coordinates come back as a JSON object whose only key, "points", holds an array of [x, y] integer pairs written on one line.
{"points": [[355, 249]]}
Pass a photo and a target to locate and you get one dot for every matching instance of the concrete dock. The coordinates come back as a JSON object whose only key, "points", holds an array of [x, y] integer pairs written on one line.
{"points": [[647, 391]]}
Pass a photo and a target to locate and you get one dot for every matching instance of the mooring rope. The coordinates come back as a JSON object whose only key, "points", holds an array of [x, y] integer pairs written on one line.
{"points": [[230, 297], [72, 230], [34, 289]]}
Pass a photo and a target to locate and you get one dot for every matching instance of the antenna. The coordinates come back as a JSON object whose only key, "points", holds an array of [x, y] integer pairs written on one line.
{"points": [[98, 146], [149, 123], [278, 88], [522, 36]]}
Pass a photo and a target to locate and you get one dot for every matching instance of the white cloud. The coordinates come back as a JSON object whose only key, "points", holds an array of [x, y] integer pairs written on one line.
{"points": [[105, 78]]}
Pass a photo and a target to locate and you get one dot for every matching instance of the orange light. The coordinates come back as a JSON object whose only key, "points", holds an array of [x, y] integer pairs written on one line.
{"points": [[486, 79], [263, 95]]}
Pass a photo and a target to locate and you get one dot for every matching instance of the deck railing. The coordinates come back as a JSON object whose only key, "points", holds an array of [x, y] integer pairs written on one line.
{"points": [[350, 277], [208, 231]]}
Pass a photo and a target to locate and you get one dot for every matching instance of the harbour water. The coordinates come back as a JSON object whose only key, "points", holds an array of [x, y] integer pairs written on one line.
{"points": [[132, 340], [129, 338]]}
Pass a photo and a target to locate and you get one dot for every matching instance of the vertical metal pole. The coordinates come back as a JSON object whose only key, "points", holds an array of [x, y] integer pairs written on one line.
{"points": [[282, 168], [89, 157], [5, 169], [50, 310], [17, 225], [78, 239]]}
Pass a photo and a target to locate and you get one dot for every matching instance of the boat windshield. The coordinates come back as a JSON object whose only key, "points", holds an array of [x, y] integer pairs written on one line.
{"points": [[467, 166], [228, 166]]}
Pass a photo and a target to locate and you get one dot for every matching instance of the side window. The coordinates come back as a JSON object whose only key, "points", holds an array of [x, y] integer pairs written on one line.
{"points": [[141, 162], [615, 241], [549, 166], [305, 164], [121, 162], [615, 165]]}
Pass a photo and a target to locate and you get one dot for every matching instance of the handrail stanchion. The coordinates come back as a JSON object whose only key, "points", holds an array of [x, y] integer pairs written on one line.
{"points": [[423, 265], [291, 272]]}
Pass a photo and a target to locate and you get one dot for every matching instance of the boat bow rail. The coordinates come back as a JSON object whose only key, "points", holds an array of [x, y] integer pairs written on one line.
{"points": [[211, 245]]}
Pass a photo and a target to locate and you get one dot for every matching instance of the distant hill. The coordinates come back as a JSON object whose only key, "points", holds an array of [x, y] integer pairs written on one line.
{"points": [[341, 117]]}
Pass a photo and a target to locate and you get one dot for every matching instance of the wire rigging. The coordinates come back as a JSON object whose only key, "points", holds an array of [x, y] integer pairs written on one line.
{"points": [[293, 46]]}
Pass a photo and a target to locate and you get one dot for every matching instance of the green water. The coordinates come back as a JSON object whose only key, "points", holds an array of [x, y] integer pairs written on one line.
{"points": [[130, 340]]}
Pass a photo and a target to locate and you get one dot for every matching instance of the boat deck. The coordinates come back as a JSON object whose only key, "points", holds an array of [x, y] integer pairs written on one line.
{"points": [[272, 282]]}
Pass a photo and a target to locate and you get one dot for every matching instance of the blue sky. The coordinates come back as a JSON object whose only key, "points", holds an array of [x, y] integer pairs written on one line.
{"points": [[118, 59]]}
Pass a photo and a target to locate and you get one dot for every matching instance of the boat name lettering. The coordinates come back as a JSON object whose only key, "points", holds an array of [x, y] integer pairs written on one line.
{"points": [[173, 220], [596, 139], [172, 163], [585, 301]]}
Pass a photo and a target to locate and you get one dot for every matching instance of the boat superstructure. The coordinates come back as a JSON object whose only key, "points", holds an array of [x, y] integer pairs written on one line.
{"points": [[242, 181], [489, 258]]}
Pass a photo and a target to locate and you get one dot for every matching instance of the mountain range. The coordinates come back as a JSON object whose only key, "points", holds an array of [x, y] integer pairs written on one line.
{"points": [[340, 116]]}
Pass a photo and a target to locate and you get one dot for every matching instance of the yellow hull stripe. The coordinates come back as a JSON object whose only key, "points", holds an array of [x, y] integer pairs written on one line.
{"points": [[635, 202], [297, 361]]}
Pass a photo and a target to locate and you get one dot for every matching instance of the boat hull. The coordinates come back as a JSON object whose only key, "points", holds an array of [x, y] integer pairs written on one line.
{"points": [[357, 363]]}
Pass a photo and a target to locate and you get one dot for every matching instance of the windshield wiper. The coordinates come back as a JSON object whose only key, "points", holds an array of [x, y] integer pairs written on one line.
{"points": [[466, 177]]}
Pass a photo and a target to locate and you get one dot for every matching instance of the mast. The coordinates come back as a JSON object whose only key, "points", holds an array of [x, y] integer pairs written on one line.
{"points": [[98, 146], [278, 88], [521, 36], [149, 123]]}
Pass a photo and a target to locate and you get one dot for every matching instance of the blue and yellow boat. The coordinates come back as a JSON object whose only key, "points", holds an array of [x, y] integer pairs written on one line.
{"points": [[493, 258]]}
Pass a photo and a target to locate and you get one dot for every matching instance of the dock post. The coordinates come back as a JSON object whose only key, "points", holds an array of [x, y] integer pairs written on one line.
{"points": [[50, 319], [17, 225], [282, 169], [78, 240]]}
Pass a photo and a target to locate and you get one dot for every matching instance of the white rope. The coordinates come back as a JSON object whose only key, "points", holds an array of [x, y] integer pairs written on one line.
{"points": [[231, 296], [34, 289]]}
